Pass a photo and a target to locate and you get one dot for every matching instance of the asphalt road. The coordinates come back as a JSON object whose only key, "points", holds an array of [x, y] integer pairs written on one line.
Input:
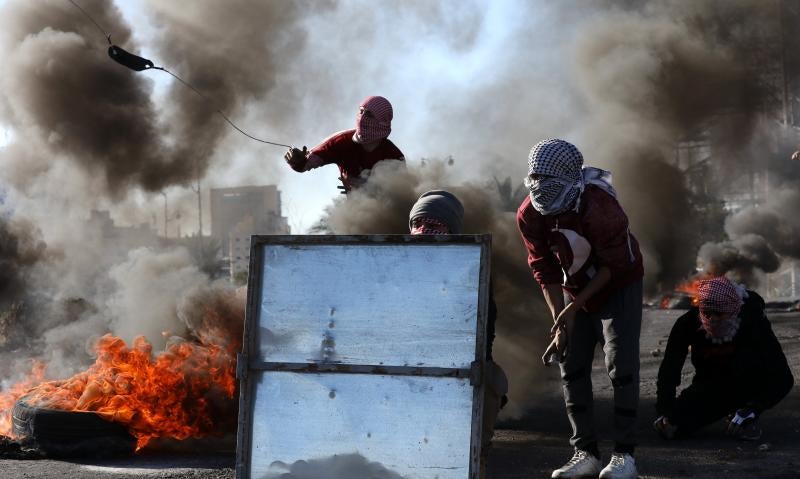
{"points": [[533, 446]]}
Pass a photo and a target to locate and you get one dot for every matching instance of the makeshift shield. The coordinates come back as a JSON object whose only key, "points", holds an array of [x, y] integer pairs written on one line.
{"points": [[364, 353]]}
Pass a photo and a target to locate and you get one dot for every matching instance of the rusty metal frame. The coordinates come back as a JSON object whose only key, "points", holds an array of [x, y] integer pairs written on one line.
{"points": [[255, 280]]}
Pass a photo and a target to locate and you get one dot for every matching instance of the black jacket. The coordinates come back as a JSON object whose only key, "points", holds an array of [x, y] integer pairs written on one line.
{"points": [[753, 361]]}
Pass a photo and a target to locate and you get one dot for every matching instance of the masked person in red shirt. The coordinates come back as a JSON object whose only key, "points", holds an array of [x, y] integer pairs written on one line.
{"points": [[439, 212], [578, 243], [354, 151]]}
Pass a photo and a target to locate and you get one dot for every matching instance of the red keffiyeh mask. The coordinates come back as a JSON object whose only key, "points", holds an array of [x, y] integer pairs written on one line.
{"points": [[429, 226], [719, 295], [374, 120]]}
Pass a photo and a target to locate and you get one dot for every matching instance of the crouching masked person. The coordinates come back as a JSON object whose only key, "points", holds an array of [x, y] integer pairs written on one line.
{"points": [[740, 369], [354, 151], [578, 243], [440, 212]]}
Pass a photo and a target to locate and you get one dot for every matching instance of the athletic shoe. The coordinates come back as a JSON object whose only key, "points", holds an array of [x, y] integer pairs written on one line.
{"points": [[582, 464], [621, 466]]}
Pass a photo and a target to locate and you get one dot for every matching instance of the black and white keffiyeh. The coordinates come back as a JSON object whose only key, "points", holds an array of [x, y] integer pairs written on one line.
{"points": [[556, 176], [556, 158]]}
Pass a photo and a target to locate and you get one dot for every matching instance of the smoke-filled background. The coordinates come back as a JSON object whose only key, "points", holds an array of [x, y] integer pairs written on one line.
{"points": [[634, 86]]}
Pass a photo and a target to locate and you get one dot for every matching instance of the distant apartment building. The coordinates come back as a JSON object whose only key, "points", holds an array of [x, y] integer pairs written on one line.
{"points": [[238, 213], [120, 239], [784, 284]]}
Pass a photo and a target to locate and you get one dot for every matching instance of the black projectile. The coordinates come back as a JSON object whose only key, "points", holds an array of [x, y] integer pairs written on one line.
{"points": [[134, 62]]}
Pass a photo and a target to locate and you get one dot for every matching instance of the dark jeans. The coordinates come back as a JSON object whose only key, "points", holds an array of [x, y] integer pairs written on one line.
{"points": [[617, 328]]}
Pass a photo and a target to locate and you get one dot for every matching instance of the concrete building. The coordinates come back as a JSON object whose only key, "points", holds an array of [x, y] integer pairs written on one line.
{"points": [[237, 213], [784, 284], [120, 239]]}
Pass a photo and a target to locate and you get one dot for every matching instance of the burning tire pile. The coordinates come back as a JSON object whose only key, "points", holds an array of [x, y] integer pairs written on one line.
{"points": [[127, 398], [132, 395]]}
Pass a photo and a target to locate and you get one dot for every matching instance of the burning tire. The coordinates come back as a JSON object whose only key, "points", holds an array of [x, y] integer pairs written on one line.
{"points": [[70, 433]]}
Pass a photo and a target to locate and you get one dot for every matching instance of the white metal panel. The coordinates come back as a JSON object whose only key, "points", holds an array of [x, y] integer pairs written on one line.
{"points": [[418, 427], [393, 305]]}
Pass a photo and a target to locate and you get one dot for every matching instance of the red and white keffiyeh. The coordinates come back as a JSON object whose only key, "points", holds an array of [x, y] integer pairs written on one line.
{"points": [[375, 125], [428, 226], [720, 295]]}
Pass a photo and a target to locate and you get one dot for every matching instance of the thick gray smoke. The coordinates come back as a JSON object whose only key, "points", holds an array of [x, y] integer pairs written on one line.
{"points": [[62, 91], [625, 83], [148, 290], [63, 94], [158, 295], [708, 64], [760, 236], [21, 248], [213, 314], [652, 77], [740, 258], [775, 222], [87, 134], [234, 52], [89, 131]]}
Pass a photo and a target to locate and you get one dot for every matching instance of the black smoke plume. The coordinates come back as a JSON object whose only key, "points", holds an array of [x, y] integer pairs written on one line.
{"points": [[61, 92]]}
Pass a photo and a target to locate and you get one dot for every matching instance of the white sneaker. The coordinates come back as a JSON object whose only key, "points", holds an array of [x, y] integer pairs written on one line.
{"points": [[582, 464], [621, 466]]}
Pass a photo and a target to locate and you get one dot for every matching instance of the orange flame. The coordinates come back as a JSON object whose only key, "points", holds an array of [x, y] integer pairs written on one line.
{"points": [[691, 287], [176, 394], [665, 302], [7, 399]]}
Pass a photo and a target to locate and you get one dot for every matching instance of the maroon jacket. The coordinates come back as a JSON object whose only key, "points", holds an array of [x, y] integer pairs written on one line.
{"points": [[570, 247], [351, 158]]}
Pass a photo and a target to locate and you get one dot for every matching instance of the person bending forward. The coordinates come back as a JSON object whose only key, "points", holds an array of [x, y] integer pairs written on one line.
{"points": [[577, 238]]}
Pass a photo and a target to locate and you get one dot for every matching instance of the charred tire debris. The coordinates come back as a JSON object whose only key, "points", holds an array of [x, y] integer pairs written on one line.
{"points": [[12, 449], [56, 433]]}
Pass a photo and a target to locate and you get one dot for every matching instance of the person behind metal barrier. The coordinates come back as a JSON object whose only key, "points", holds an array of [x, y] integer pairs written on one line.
{"points": [[440, 212], [740, 368], [354, 151], [578, 242]]}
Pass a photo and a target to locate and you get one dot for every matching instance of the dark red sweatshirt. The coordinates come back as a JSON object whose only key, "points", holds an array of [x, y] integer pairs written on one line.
{"points": [[569, 248], [352, 158]]}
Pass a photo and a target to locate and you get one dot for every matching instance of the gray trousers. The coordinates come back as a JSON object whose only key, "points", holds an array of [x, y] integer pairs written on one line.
{"points": [[616, 327]]}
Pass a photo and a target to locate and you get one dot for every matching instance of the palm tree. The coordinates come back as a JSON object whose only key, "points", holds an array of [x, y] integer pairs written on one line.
{"points": [[509, 196]]}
